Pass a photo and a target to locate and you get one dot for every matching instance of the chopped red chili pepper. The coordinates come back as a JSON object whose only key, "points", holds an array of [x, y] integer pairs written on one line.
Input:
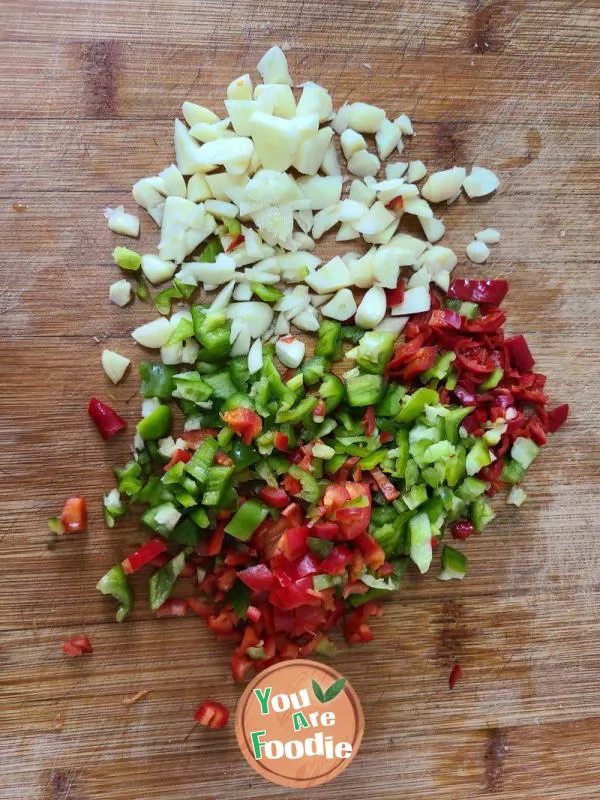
{"points": [[462, 529], [235, 242], [474, 291], [73, 517], [388, 489], [369, 421], [178, 455], [212, 715], [106, 419], [77, 646], [557, 417], [146, 553], [455, 676]]}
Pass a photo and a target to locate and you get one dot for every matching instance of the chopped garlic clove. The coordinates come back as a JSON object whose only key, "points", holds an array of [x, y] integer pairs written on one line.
{"points": [[372, 308], [488, 235], [363, 163], [273, 67], [352, 142], [480, 182], [341, 307], [416, 171], [477, 251], [119, 221], [120, 293], [387, 138], [114, 364], [290, 351], [405, 125], [365, 118], [443, 185]]}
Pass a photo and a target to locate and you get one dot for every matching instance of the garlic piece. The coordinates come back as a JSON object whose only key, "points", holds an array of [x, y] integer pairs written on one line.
{"points": [[477, 251], [488, 235], [480, 182]]}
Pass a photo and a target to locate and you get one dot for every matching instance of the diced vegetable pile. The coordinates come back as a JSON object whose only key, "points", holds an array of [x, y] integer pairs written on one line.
{"points": [[290, 489]]}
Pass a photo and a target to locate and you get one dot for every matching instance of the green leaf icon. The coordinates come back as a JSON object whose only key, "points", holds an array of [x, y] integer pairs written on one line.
{"points": [[335, 688], [318, 692]]}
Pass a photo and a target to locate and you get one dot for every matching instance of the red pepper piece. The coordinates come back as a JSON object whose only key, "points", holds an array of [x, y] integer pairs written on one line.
{"points": [[519, 353], [144, 555], [281, 442], [396, 204], [474, 291], [405, 353], [371, 551], [462, 529], [292, 485], [245, 422], [195, 438], [259, 578], [253, 614], [222, 459], [73, 517], [455, 675], [395, 296], [477, 361], [212, 715], [325, 530], [489, 323], [178, 455], [215, 543], [293, 542], [240, 667], [172, 607], [199, 608], [337, 561], [423, 360], [445, 318], [77, 646], [276, 498], [369, 421], [235, 242], [108, 422], [557, 417], [387, 488]]}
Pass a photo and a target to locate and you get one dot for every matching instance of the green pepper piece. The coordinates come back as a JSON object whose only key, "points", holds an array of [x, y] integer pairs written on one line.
{"points": [[216, 341], [221, 384], [142, 292], [524, 451], [157, 380], [162, 301], [186, 532], [481, 514], [352, 333], [320, 547], [162, 582], [217, 480], [452, 422], [298, 412], [335, 463], [364, 390], [478, 457], [374, 351], [115, 583], [314, 370], [440, 369], [420, 541], [126, 258], [162, 518], [202, 459], [233, 226], [246, 520], [389, 405], [412, 405], [321, 582], [157, 424], [311, 491], [211, 250], [512, 472], [277, 387], [269, 294], [471, 488], [373, 459], [238, 372], [454, 564], [328, 339], [493, 380], [190, 386], [456, 466], [332, 392]]}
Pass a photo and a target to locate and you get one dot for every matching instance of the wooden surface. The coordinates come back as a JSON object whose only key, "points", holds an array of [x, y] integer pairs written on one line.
{"points": [[88, 91]]}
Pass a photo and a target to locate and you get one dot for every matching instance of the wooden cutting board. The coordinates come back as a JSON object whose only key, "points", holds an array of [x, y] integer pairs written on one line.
{"points": [[88, 92]]}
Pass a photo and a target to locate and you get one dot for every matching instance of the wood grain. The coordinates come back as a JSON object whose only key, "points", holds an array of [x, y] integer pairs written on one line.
{"points": [[88, 91]]}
